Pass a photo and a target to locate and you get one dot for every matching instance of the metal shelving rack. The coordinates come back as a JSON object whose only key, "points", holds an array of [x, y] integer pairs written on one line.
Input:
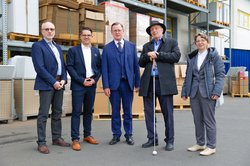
{"points": [[181, 6]]}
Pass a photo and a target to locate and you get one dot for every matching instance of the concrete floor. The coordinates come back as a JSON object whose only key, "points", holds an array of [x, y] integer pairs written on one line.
{"points": [[18, 142]]}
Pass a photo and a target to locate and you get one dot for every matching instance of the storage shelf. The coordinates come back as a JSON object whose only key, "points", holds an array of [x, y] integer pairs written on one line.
{"points": [[185, 7], [141, 7], [212, 25], [21, 46]]}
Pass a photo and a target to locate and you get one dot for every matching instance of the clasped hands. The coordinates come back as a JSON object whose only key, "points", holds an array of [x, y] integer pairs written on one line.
{"points": [[152, 55], [88, 82], [59, 85]]}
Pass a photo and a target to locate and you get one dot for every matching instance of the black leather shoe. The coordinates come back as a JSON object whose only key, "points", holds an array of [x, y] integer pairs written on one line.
{"points": [[114, 140], [150, 143], [130, 140], [169, 147]]}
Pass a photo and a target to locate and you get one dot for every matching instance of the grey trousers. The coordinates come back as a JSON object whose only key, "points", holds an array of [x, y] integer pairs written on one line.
{"points": [[54, 99], [203, 110]]}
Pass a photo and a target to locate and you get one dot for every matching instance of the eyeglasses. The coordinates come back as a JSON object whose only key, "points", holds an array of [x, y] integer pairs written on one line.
{"points": [[49, 29], [86, 35]]}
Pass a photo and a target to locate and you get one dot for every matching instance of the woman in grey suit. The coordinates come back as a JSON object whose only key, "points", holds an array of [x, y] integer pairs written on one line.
{"points": [[203, 84]]}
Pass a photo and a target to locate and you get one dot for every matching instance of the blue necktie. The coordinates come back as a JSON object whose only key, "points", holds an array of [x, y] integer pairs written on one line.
{"points": [[119, 46]]}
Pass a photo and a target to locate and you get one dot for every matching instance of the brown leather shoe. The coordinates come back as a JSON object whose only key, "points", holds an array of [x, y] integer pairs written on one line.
{"points": [[91, 140], [76, 145], [60, 142], [43, 149]]}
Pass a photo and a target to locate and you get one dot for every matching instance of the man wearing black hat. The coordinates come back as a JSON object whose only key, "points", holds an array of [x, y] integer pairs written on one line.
{"points": [[158, 58]]}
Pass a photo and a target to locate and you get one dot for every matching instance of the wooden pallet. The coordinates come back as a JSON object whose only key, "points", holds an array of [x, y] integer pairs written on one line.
{"points": [[159, 5], [23, 37], [6, 121], [240, 95], [192, 2], [107, 116], [182, 107], [218, 22], [66, 42], [96, 8]]}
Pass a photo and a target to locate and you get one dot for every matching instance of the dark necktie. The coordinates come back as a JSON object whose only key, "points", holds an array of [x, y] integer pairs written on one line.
{"points": [[119, 46]]}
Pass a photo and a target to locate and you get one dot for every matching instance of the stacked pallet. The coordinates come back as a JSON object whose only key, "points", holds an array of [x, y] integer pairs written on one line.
{"points": [[64, 14], [93, 16], [239, 84]]}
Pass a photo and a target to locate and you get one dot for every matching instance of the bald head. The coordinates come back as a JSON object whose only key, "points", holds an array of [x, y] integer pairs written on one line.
{"points": [[48, 30]]}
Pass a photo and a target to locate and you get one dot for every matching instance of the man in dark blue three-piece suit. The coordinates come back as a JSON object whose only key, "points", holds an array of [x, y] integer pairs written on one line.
{"points": [[51, 76], [84, 67], [120, 76]]}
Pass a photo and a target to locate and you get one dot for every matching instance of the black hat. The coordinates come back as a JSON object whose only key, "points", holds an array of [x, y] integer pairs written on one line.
{"points": [[153, 23]]}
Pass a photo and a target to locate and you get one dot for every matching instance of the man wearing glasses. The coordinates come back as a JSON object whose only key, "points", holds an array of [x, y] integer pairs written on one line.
{"points": [[84, 67], [120, 77], [51, 76]]}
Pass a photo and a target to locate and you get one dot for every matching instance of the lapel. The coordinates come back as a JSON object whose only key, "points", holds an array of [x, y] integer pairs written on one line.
{"points": [[151, 46], [79, 49], [49, 49], [93, 54], [194, 64], [115, 49], [125, 47]]}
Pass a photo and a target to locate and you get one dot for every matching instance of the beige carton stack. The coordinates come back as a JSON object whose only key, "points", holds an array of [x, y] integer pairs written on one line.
{"points": [[115, 11], [180, 73], [137, 29], [6, 93], [239, 84], [64, 14], [93, 16]]}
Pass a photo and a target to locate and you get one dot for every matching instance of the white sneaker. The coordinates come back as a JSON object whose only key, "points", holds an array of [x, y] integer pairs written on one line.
{"points": [[208, 152], [196, 148]]}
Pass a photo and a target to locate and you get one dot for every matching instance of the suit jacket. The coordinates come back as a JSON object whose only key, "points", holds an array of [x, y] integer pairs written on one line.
{"points": [[111, 66], [46, 66], [76, 66], [210, 79], [168, 55]]}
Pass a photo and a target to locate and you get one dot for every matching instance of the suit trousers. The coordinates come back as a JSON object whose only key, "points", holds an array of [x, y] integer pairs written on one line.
{"points": [[166, 103], [82, 101], [203, 110], [55, 99], [124, 94]]}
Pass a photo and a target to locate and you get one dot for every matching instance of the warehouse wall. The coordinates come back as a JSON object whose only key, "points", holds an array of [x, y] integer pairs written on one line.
{"points": [[240, 37]]}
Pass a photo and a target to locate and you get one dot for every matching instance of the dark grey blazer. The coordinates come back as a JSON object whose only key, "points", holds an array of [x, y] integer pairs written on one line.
{"points": [[169, 54]]}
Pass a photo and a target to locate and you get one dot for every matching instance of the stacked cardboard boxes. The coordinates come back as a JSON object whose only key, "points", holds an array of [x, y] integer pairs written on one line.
{"points": [[93, 17], [115, 12], [137, 33], [65, 18], [239, 83]]}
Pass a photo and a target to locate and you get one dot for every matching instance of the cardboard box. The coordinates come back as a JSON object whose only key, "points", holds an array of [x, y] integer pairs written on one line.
{"points": [[6, 88], [66, 20], [67, 3], [235, 88], [94, 15], [137, 106], [87, 1], [115, 11], [98, 38], [26, 99], [93, 24], [102, 105], [137, 33]]}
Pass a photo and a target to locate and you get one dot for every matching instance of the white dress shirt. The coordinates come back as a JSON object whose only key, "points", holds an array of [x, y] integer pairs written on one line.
{"points": [[122, 43], [57, 55], [201, 58], [86, 51]]}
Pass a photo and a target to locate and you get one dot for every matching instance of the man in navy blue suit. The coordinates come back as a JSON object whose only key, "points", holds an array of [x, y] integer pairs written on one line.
{"points": [[51, 76], [120, 77], [84, 67]]}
